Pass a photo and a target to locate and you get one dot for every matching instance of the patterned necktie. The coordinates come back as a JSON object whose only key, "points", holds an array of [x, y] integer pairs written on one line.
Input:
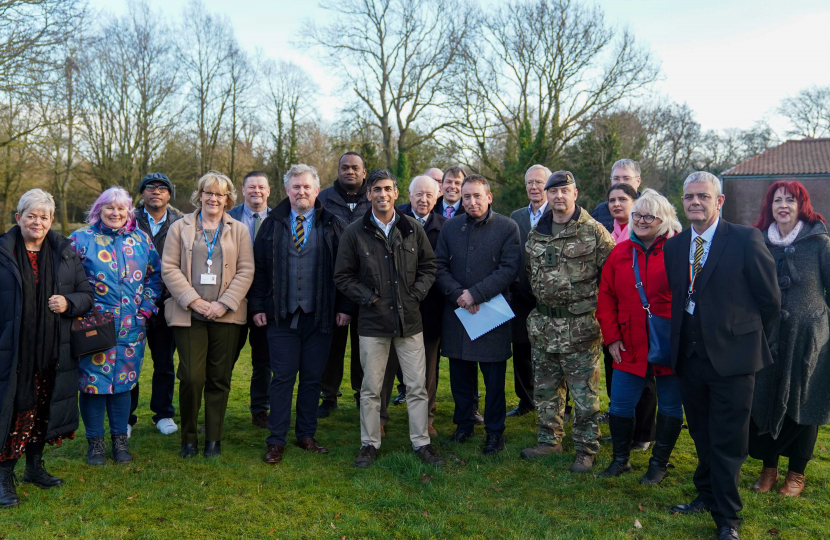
{"points": [[299, 233], [257, 223], [448, 211], [699, 241]]}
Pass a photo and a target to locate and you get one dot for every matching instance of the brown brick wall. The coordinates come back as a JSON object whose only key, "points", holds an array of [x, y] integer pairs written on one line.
{"points": [[744, 197]]}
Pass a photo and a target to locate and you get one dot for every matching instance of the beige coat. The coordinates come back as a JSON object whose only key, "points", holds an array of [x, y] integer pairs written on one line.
{"points": [[237, 273]]}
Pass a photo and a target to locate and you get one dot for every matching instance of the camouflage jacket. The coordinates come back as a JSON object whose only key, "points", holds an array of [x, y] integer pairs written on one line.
{"points": [[564, 271]]}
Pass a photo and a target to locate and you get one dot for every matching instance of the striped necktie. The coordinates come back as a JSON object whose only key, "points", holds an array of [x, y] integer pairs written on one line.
{"points": [[699, 241], [299, 233]]}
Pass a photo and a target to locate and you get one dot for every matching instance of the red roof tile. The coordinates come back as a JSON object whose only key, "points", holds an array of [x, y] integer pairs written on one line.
{"points": [[807, 156]]}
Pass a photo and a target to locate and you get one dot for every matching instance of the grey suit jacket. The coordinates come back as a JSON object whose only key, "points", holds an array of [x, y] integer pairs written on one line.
{"points": [[236, 212]]}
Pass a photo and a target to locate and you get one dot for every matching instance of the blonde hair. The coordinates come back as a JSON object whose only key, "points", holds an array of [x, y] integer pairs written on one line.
{"points": [[213, 178], [651, 202]]}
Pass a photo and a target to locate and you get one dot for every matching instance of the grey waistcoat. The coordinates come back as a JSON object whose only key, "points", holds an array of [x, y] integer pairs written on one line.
{"points": [[302, 273]]}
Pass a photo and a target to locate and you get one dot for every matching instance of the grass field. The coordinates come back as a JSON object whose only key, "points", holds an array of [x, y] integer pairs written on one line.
{"points": [[161, 496]]}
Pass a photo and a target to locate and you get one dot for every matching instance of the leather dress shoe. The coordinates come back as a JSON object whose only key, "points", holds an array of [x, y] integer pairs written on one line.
{"points": [[458, 437], [519, 411], [213, 449], [188, 450], [728, 533], [311, 445], [693, 507], [274, 453], [260, 419], [325, 408]]}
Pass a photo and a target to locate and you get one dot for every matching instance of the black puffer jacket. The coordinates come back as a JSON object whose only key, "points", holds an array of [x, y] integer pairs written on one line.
{"points": [[332, 199], [71, 282], [269, 292]]}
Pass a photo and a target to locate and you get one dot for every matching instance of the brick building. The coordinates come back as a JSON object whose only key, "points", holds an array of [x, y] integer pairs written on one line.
{"points": [[745, 184]]}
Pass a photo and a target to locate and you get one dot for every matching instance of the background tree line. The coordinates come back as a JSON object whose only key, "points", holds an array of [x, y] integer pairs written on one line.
{"points": [[90, 100]]}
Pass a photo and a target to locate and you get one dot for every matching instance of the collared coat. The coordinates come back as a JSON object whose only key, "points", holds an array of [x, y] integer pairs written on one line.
{"points": [[483, 257]]}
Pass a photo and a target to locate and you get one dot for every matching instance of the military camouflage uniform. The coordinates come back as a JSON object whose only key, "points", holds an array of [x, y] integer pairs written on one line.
{"points": [[564, 275]]}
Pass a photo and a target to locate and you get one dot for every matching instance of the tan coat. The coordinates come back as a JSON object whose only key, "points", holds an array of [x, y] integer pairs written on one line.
{"points": [[237, 273]]}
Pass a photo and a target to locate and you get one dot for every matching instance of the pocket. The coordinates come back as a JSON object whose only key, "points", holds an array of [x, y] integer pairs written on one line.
{"points": [[746, 327], [581, 262]]}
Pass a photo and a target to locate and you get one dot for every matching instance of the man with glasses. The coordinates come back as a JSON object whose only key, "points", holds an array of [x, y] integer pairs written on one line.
{"points": [[626, 171], [252, 212], [154, 216]]}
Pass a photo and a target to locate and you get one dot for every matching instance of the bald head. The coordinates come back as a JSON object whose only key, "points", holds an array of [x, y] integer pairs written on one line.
{"points": [[436, 174], [423, 194]]}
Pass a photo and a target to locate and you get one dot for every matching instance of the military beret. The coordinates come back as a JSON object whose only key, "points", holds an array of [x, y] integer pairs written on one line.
{"points": [[559, 179]]}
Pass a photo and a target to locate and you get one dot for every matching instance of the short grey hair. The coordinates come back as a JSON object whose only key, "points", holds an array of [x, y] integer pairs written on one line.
{"points": [[626, 164], [651, 202], [425, 177], [536, 167], [36, 198], [703, 176], [300, 169]]}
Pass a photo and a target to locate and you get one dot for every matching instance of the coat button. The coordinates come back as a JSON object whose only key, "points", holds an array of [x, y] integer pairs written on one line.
{"points": [[468, 269], [471, 248]]}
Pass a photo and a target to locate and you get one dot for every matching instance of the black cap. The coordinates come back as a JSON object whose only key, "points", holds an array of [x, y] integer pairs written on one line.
{"points": [[156, 177], [559, 179]]}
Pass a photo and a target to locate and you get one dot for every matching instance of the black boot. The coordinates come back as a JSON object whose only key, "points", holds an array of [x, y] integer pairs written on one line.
{"points": [[8, 493], [120, 450], [668, 429], [622, 430], [36, 473], [95, 451]]}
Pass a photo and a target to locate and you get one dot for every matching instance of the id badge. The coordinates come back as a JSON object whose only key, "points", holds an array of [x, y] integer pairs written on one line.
{"points": [[208, 279], [550, 256], [690, 306]]}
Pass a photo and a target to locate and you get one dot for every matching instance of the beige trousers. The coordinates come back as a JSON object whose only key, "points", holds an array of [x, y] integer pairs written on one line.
{"points": [[374, 354]]}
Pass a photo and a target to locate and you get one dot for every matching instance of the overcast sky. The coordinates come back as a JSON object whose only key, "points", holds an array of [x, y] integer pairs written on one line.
{"points": [[731, 61]]}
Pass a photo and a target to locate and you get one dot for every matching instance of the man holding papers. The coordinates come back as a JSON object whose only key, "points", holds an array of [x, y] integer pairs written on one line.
{"points": [[479, 256], [564, 255]]}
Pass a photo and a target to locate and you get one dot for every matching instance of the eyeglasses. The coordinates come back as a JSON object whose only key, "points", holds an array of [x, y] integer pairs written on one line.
{"points": [[645, 218], [210, 195], [157, 189], [535, 183]]}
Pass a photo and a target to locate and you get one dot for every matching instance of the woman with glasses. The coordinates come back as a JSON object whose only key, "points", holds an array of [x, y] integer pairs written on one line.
{"points": [[792, 396], [624, 325], [208, 267]]}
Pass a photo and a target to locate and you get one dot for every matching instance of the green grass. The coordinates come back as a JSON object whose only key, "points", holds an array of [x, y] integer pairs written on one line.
{"points": [[161, 496]]}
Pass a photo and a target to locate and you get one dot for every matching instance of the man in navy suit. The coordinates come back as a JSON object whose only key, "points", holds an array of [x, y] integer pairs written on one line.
{"points": [[724, 294], [252, 212]]}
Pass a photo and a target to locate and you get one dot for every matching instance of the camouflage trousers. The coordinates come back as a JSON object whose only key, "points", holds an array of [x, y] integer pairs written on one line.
{"points": [[581, 373]]}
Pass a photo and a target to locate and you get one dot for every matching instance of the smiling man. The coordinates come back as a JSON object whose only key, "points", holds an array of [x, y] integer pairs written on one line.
{"points": [[449, 204], [386, 265]]}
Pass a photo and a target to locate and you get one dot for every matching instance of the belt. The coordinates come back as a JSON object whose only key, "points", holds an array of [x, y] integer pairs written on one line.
{"points": [[558, 311]]}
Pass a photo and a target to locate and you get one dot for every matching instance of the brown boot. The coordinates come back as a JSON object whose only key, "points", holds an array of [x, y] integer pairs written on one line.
{"points": [[793, 485], [541, 450], [769, 477]]}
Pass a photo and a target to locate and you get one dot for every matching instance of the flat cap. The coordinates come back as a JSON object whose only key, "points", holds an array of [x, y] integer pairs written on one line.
{"points": [[560, 178], [156, 177]]}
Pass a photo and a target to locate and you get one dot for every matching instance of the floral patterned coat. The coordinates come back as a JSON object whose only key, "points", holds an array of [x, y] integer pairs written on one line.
{"points": [[124, 269]]}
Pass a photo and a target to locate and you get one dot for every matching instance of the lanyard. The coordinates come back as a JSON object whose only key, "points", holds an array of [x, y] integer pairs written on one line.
{"points": [[210, 245], [692, 277]]}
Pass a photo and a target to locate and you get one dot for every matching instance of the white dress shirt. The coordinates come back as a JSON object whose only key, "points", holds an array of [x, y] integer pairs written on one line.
{"points": [[534, 218], [707, 235], [387, 229]]}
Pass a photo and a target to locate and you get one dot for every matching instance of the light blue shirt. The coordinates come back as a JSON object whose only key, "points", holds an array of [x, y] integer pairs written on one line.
{"points": [[456, 206], [387, 229], [248, 218], [155, 227], [309, 217], [534, 218], [707, 235]]}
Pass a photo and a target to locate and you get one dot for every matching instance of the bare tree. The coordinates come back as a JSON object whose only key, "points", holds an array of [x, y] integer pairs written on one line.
{"points": [[205, 53], [808, 112], [242, 80], [399, 58], [15, 118], [538, 74]]}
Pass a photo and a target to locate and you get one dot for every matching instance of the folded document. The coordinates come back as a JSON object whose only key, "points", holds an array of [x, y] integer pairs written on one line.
{"points": [[490, 314]]}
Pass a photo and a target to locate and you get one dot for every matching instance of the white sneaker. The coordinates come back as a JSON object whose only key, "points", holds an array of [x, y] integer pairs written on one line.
{"points": [[129, 431], [167, 426]]}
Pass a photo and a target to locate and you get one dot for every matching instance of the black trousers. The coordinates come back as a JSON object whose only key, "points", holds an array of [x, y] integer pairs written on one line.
{"points": [[523, 375], [645, 428], [303, 351], [260, 362], [718, 412], [333, 373], [464, 386], [162, 348]]}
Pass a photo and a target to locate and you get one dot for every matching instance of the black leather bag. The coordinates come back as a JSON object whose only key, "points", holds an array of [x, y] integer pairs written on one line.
{"points": [[659, 328], [92, 333]]}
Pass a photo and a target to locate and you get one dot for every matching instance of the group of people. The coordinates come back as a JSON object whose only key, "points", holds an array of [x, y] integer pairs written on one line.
{"points": [[745, 356]]}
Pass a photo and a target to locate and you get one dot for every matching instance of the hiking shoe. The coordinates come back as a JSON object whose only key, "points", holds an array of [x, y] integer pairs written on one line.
{"points": [[366, 457], [542, 449], [429, 456], [95, 451], [583, 462], [120, 451], [493, 444]]}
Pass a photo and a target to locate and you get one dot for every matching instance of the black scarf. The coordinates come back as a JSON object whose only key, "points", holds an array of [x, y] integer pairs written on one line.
{"points": [[39, 326], [351, 199]]}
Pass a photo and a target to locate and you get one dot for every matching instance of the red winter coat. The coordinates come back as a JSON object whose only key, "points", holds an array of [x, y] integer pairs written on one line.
{"points": [[620, 311]]}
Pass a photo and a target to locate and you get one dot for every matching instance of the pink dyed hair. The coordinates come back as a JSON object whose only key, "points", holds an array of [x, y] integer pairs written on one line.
{"points": [[113, 195]]}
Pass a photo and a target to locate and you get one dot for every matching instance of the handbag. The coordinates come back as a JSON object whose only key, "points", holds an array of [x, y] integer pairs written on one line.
{"points": [[92, 333], [659, 328]]}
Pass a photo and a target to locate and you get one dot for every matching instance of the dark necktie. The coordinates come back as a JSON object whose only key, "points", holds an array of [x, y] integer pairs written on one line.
{"points": [[257, 223]]}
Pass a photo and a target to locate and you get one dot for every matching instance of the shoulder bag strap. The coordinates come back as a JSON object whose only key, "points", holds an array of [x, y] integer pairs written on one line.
{"points": [[639, 282]]}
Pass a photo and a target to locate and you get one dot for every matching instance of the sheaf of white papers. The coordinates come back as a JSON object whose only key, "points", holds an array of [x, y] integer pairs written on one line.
{"points": [[490, 315]]}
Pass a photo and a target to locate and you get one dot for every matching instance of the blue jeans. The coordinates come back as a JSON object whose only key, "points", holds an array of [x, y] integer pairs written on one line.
{"points": [[93, 407], [626, 389]]}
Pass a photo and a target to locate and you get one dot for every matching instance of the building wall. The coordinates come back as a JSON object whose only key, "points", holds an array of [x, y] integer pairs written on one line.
{"points": [[744, 195]]}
